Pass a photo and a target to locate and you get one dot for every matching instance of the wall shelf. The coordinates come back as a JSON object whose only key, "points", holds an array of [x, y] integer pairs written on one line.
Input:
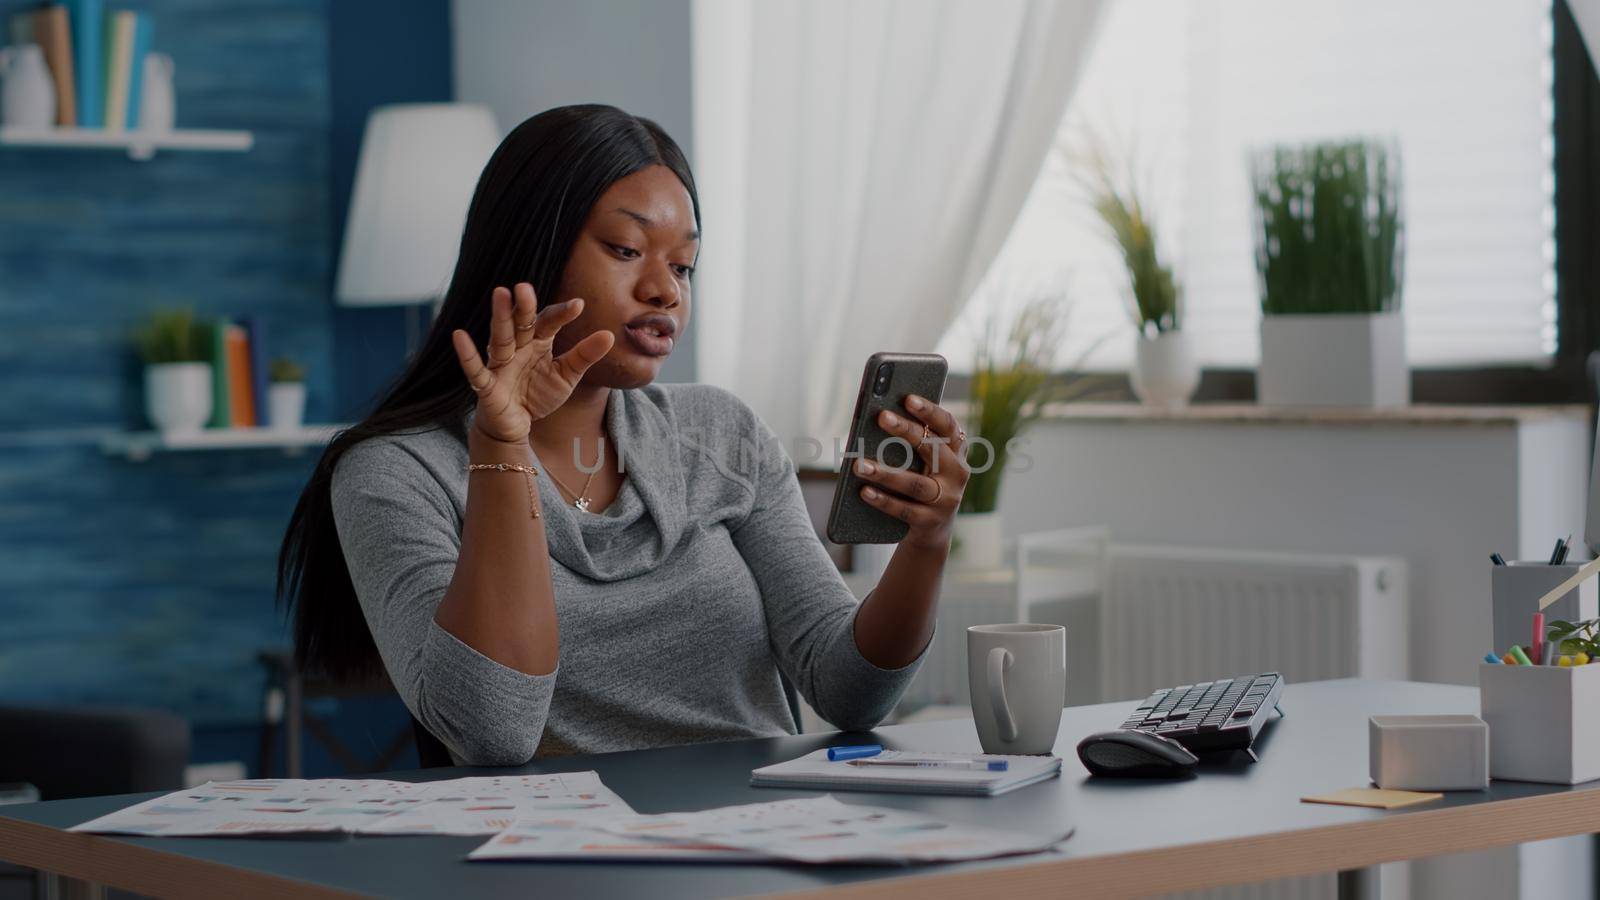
{"points": [[141, 145], [137, 446]]}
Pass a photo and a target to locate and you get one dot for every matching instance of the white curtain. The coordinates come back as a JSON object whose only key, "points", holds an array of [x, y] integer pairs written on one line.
{"points": [[860, 163], [1587, 13]]}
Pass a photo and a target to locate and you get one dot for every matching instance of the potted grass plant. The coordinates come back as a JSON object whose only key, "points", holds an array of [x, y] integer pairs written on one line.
{"points": [[1165, 372], [175, 347], [286, 393], [1011, 383], [1329, 247]]}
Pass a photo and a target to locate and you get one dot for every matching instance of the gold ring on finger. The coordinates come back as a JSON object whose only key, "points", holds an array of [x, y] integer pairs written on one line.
{"points": [[924, 438], [938, 491], [526, 327]]}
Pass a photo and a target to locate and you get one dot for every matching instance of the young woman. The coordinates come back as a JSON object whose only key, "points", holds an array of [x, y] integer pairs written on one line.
{"points": [[524, 599]]}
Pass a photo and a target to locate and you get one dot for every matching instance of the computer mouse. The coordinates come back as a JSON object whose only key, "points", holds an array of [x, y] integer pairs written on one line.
{"points": [[1135, 754]]}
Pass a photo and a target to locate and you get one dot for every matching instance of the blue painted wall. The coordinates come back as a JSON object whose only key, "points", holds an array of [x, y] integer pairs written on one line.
{"points": [[151, 583], [402, 55]]}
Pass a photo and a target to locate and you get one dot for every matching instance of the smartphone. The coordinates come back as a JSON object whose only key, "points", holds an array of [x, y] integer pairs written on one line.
{"points": [[888, 379]]}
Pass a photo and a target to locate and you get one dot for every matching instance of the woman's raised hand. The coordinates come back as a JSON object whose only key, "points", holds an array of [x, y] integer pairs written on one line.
{"points": [[926, 501], [523, 381]]}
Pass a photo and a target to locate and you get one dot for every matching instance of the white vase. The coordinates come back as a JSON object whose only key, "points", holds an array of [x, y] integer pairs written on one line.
{"points": [[177, 396], [979, 541], [1334, 359], [1165, 372], [157, 106], [286, 404], [29, 97]]}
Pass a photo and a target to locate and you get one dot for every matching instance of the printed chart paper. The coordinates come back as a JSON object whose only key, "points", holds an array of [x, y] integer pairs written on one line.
{"points": [[814, 830], [461, 806]]}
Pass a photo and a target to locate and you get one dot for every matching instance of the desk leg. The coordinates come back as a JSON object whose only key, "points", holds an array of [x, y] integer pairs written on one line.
{"points": [[50, 886], [1359, 884]]}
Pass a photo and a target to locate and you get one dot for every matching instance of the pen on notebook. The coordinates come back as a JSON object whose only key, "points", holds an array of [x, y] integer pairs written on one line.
{"points": [[982, 765], [857, 751]]}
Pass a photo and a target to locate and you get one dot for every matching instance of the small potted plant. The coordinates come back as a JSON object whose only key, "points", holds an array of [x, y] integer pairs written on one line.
{"points": [[175, 347], [1165, 372], [286, 394], [1011, 383], [1329, 254], [1539, 716]]}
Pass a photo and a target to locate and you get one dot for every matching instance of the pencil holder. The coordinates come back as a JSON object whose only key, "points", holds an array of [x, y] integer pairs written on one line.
{"points": [[1517, 588], [1544, 721], [1428, 753]]}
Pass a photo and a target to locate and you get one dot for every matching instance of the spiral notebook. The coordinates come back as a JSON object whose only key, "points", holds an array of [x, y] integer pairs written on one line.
{"points": [[815, 770]]}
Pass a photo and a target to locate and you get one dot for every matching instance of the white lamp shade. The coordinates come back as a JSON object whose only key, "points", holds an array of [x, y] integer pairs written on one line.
{"points": [[419, 164]]}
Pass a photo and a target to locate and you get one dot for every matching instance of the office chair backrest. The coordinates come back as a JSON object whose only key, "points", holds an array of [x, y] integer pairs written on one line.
{"points": [[792, 697], [431, 752]]}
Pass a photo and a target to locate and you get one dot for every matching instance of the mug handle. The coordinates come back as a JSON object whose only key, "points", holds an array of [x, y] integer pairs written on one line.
{"points": [[999, 662]]}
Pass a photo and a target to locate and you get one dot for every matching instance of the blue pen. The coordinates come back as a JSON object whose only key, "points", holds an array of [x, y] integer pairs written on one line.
{"points": [[1491, 658], [858, 751]]}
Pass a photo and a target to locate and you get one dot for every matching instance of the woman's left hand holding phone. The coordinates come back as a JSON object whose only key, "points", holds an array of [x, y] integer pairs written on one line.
{"points": [[926, 501], [895, 621]]}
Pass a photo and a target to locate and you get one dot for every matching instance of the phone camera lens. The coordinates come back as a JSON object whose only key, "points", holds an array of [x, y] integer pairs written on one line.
{"points": [[880, 384]]}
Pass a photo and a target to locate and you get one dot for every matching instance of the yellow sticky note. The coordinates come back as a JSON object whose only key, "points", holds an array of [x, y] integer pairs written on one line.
{"points": [[1377, 798]]}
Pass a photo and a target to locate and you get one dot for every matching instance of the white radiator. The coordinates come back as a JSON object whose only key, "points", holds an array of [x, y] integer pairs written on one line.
{"points": [[1177, 615]]}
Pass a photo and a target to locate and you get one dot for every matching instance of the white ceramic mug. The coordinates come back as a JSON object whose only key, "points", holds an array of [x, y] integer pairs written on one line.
{"points": [[1018, 677]]}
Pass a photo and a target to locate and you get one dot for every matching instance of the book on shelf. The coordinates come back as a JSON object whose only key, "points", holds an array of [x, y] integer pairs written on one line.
{"points": [[88, 55], [241, 394], [120, 26], [255, 334], [141, 47], [53, 32], [220, 413]]}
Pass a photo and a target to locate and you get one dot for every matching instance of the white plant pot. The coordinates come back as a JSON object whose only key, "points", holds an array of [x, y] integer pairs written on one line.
{"points": [[1165, 372], [177, 396], [1542, 725], [979, 541], [286, 404], [1350, 359]]}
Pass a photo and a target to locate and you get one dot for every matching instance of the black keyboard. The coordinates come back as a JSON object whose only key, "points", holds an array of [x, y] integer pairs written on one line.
{"points": [[1212, 715]]}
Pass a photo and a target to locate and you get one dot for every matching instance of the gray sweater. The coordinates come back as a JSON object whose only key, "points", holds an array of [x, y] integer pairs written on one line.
{"points": [[678, 603]]}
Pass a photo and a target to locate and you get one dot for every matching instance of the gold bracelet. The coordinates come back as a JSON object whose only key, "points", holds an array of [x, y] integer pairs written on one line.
{"points": [[529, 471]]}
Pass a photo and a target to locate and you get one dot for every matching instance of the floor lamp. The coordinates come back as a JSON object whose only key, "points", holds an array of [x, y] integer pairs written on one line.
{"points": [[418, 167]]}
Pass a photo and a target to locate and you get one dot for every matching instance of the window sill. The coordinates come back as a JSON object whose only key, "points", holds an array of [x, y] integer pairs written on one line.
{"points": [[1422, 415]]}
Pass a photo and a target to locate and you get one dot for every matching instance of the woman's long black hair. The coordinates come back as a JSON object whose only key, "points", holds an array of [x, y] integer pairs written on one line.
{"points": [[529, 206]]}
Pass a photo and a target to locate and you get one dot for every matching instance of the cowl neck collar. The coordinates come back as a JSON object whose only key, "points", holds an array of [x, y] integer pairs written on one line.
{"points": [[642, 526]]}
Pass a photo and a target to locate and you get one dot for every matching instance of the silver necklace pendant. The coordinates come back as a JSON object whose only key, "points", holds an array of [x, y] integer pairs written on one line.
{"points": [[582, 503]]}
